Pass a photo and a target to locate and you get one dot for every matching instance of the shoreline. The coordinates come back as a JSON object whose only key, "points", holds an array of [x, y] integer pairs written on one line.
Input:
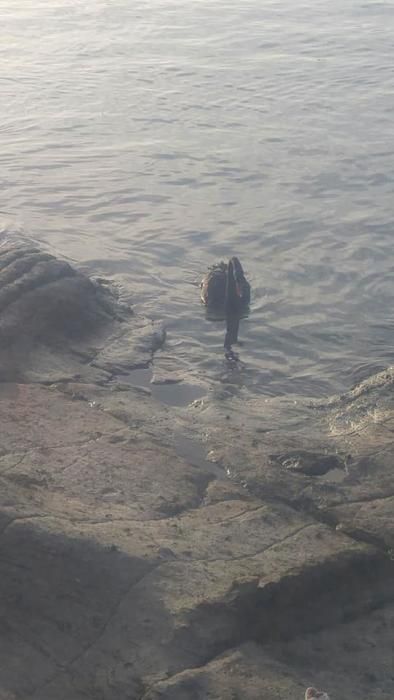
{"points": [[130, 570]]}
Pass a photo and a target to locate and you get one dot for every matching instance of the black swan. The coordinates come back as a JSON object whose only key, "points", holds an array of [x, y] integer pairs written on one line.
{"points": [[225, 286]]}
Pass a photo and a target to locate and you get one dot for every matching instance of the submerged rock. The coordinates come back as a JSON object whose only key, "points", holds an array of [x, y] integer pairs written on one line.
{"points": [[42, 297], [56, 323]]}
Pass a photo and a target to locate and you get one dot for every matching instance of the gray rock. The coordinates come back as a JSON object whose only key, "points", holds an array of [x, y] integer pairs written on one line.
{"points": [[122, 575], [56, 324]]}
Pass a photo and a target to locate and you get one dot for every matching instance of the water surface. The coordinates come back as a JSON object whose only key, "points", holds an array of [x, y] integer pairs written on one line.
{"points": [[145, 140]]}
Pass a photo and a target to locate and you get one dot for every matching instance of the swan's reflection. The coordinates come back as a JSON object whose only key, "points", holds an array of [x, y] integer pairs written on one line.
{"points": [[231, 338]]}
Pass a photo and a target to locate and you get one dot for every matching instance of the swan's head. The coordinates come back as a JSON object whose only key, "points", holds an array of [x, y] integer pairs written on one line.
{"points": [[237, 287]]}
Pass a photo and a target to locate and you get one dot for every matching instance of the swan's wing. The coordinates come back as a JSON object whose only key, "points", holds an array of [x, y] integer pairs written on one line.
{"points": [[213, 287]]}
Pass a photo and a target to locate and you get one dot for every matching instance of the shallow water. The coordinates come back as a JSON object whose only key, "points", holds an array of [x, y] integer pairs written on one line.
{"points": [[174, 394], [146, 140]]}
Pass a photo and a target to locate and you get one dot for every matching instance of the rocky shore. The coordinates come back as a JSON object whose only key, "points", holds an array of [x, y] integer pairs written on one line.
{"points": [[130, 570]]}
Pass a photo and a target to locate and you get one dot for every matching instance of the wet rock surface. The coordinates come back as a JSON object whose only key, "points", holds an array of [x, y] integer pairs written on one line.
{"points": [[132, 570], [57, 324], [309, 463]]}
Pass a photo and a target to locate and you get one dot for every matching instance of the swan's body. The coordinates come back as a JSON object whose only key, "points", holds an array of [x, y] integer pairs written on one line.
{"points": [[313, 694], [225, 286]]}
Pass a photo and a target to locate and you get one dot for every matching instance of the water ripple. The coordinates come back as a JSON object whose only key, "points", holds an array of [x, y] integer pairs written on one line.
{"points": [[145, 140]]}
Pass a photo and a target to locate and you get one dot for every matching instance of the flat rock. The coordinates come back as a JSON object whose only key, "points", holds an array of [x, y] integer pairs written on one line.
{"points": [[370, 520], [331, 458], [71, 447], [121, 568], [351, 661]]}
